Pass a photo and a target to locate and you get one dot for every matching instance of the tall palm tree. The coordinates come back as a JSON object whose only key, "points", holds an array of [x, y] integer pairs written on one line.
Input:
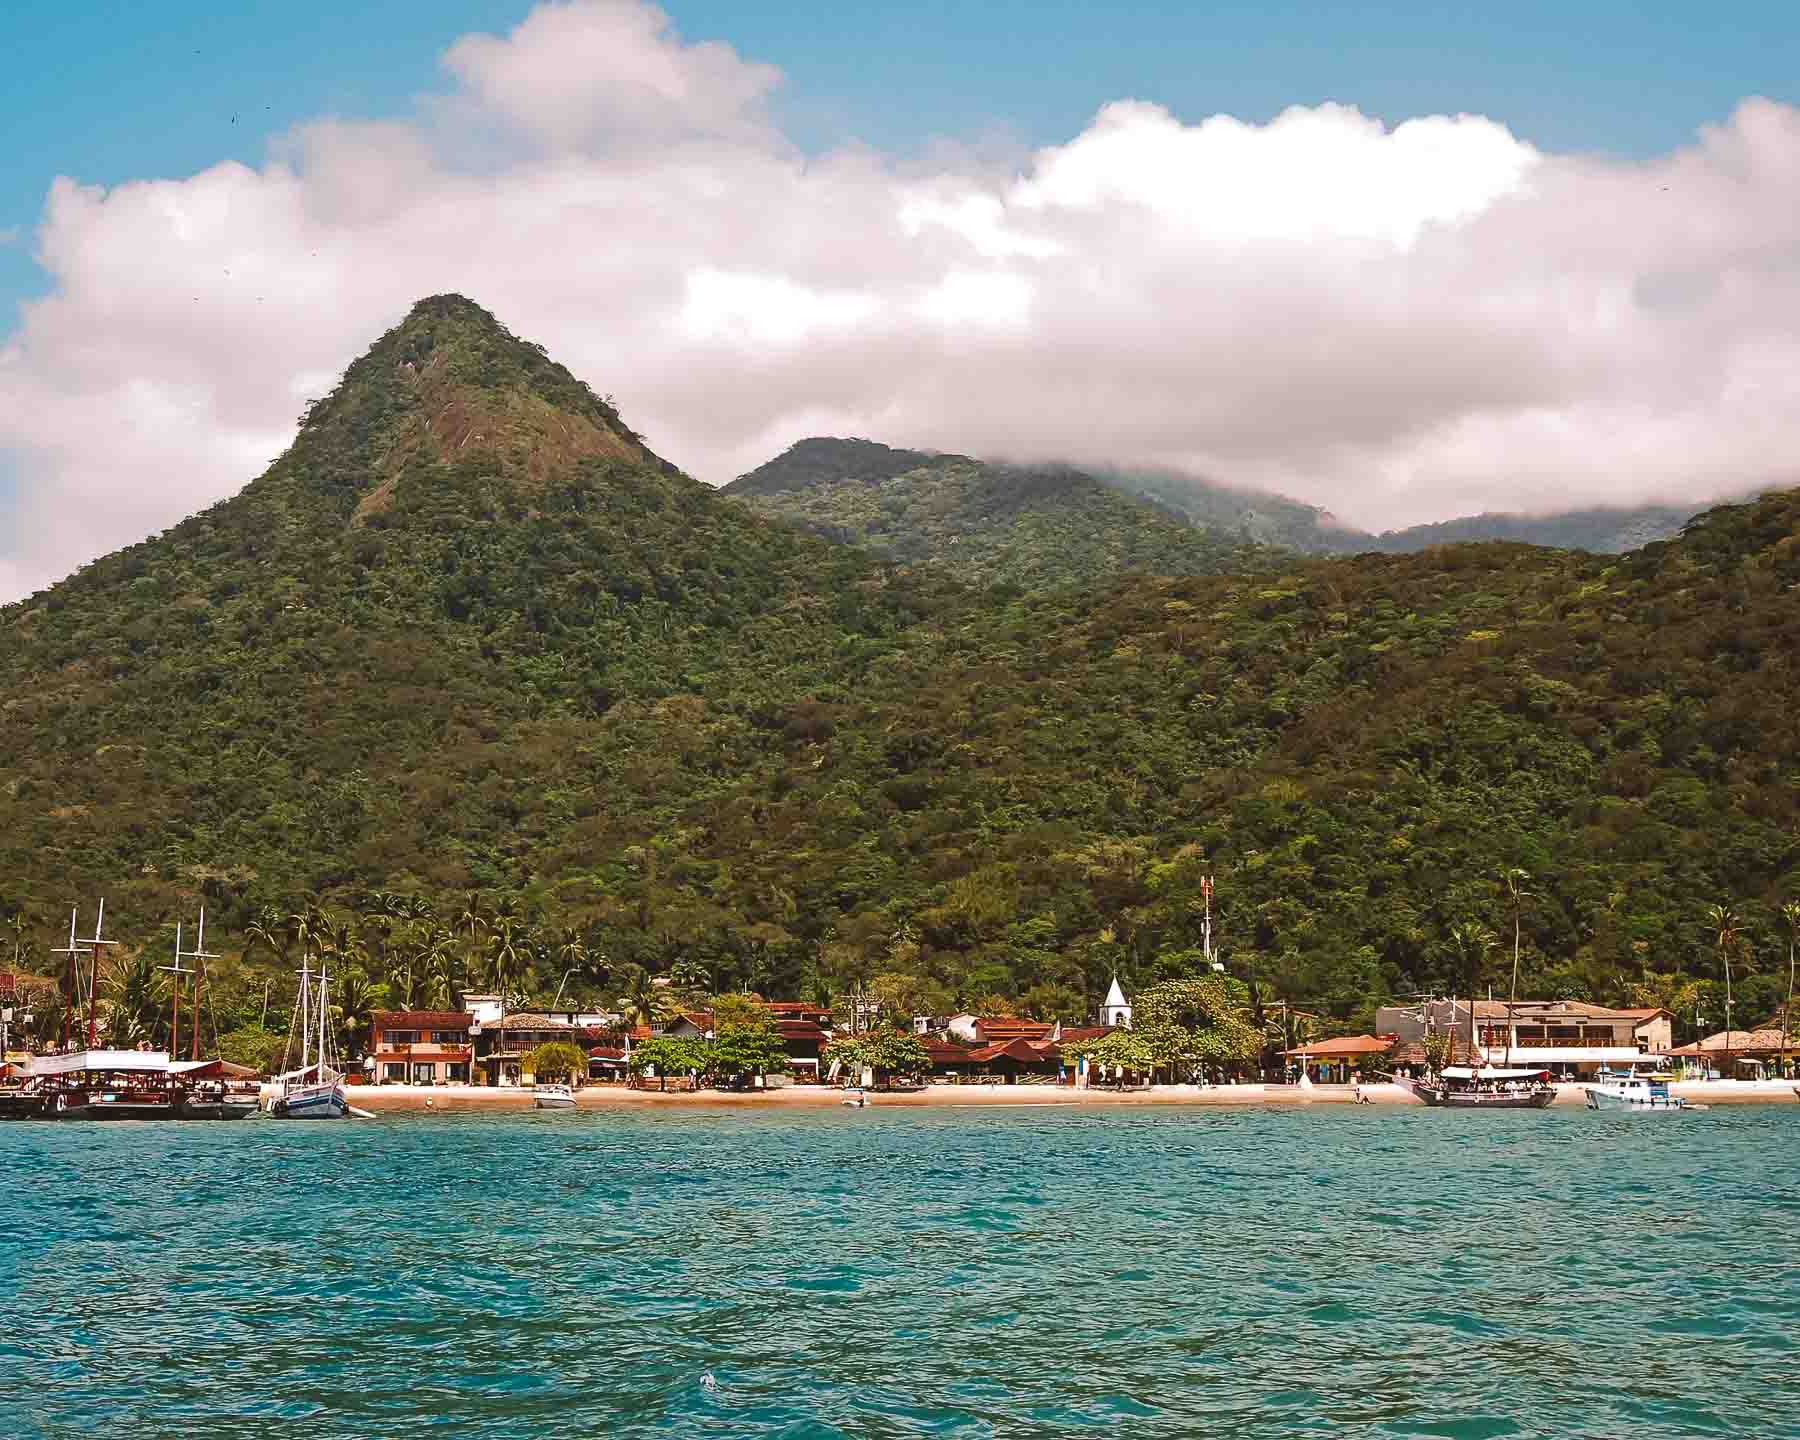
{"points": [[509, 955], [1727, 928], [471, 922], [19, 923], [137, 1010], [306, 928], [643, 1002], [1790, 912], [354, 1001], [1471, 941]]}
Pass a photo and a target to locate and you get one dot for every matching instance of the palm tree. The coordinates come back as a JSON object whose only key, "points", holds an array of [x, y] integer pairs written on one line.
{"points": [[1790, 912], [1727, 927], [136, 1012], [509, 955], [355, 1000], [643, 1001], [306, 928], [19, 922], [471, 922], [1471, 940], [438, 960], [569, 955]]}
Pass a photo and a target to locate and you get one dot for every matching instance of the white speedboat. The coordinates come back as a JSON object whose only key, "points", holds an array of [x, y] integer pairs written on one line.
{"points": [[1634, 1092], [553, 1097]]}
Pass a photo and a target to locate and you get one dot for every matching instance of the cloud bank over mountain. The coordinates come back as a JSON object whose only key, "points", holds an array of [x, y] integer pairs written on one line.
{"points": [[1400, 324]]}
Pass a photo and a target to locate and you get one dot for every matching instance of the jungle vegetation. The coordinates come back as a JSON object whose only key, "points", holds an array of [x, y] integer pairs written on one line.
{"points": [[482, 689]]}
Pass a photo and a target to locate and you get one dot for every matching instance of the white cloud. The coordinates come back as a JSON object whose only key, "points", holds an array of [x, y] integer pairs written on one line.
{"points": [[1400, 324]]}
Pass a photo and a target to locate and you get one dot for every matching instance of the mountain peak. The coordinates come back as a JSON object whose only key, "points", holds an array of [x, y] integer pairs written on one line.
{"points": [[821, 458], [450, 383]]}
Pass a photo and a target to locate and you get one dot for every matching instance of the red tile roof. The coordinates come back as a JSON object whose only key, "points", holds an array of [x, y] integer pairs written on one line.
{"points": [[1018, 1048], [1345, 1045], [1008, 1027], [800, 1030]]}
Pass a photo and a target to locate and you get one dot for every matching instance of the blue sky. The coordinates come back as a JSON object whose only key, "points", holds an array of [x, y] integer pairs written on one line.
{"points": [[1551, 257], [107, 92]]}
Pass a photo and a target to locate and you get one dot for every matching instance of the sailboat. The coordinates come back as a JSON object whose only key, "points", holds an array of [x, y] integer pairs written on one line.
{"points": [[1487, 1086], [315, 1091]]}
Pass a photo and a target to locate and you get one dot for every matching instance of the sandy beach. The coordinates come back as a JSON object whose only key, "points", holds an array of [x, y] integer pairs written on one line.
{"points": [[385, 1098]]}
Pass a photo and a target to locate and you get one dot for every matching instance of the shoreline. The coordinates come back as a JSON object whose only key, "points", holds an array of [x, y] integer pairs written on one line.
{"points": [[382, 1099]]}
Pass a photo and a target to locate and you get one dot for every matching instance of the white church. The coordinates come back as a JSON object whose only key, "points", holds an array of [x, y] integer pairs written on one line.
{"points": [[1115, 1009]]}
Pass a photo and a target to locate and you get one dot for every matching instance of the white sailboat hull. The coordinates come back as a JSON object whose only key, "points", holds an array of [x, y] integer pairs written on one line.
{"points": [[312, 1102]]}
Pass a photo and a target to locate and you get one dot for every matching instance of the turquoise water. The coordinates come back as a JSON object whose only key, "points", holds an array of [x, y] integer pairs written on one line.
{"points": [[992, 1273]]}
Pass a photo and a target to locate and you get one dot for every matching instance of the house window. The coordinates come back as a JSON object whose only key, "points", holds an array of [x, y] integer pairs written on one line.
{"points": [[424, 1072], [393, 1073], [457, 1072], [401, 1037], [449, 1037]]}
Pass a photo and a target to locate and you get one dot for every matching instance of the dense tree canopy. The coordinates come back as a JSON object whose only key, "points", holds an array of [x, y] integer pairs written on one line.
{"points": [[483, 683]]}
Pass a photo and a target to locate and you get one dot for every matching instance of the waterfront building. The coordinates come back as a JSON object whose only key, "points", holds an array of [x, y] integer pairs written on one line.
{"points": [[1570, 1038], [1338, 1060], [420, 1047], [1008, 1060], [1744, 1054], [502, 1044]]}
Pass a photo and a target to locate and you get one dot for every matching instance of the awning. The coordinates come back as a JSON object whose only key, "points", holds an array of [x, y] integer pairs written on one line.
{"points": [[1490, 1072], [141, 1062]]}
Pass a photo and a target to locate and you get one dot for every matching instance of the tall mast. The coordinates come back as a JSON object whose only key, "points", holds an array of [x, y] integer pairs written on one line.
{"points": [[74, 983], [175, 974], [305, 1011], [200, 954], [1206, 894]]}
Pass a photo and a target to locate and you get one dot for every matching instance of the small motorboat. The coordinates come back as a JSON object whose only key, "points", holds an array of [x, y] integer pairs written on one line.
{"points": [[553, 1097], [856, 1101], [1634, 1092]]}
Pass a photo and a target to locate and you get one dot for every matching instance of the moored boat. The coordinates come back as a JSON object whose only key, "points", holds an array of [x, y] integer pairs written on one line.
{"points": [[553, 1097], [1634, 1093], [1487, 1087], [314, 1090]]}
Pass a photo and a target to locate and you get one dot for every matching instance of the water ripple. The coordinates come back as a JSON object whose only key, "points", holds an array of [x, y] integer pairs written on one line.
{"points": [[905, 1274]]}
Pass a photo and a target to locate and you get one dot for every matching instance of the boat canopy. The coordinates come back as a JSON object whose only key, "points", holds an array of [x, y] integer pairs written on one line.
{"points": [[142, 1062], [208, 1069], [1490, 1072]]}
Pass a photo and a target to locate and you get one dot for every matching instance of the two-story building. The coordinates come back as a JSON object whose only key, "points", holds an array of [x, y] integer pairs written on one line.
{"points": [[503, 1043], [1570, 1038], [420, 1047]]}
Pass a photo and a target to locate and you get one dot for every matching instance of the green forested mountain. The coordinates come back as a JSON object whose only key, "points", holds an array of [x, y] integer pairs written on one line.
{"points": [[469, 634], [1276, 520], [1603, 531], [1054, 523], [983, 524]]}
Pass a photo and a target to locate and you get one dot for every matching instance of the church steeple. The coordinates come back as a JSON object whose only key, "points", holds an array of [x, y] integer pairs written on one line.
{"points": [[1115, 1009]]}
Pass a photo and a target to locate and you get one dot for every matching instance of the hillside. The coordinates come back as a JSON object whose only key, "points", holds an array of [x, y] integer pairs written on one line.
{"points": [[983, 524], [1276, 520], [470, 634], [1032, 524], [1602, 531]]}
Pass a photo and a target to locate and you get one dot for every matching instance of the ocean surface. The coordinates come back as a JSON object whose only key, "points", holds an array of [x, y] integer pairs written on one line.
{"points": [[948, 1272]]}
